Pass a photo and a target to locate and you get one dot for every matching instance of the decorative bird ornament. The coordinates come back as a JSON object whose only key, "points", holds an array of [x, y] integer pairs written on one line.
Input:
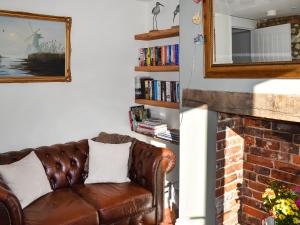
{"points": [[176, 12], [155, 12]]}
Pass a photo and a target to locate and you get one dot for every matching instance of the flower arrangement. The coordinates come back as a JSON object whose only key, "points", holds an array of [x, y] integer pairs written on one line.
{"points": [[282, 203]]}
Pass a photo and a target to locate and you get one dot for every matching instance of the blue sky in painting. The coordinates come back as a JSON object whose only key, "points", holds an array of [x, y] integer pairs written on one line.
{"points": [[15, 33]]}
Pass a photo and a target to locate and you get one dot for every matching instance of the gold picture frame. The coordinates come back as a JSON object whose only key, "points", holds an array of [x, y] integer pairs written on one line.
{"points": [[24, 57]]}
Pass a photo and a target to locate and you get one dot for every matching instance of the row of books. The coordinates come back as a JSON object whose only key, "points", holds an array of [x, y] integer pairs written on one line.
{"points": [[148, 88], [159, 56]]}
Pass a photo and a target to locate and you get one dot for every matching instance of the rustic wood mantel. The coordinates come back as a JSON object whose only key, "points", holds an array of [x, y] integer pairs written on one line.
{"points": [[271, 106]]}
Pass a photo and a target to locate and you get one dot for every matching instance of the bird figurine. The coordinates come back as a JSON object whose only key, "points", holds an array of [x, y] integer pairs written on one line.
{"points": [[176, 11], [155, 12]]}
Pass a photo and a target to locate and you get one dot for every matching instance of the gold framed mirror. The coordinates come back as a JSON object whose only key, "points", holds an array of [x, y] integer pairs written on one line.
{"points": [[252, 38]]}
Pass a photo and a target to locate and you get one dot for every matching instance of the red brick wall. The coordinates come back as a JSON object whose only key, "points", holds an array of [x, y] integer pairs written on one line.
{"points": [[229, 168], [251, 152]]}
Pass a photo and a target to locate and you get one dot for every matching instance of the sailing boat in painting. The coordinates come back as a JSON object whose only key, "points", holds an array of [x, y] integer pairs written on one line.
{"points": [[31, 47]]}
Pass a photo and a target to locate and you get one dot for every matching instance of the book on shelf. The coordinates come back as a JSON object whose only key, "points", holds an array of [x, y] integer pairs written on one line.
{"points": [[152, 121], [151, 127], [157, 90], [137, 114], [151, 131], [159, 55], [169, 135]]}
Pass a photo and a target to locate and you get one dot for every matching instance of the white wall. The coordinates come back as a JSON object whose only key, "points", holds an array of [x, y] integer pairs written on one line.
{"points": [[103, 57]]}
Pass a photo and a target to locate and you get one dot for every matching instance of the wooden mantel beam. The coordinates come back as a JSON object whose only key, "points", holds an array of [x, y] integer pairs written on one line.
{"points": [[270, 106]]}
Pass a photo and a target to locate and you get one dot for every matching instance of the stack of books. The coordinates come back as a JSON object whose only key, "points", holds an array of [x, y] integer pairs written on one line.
{"points": [[170, 135], [159, 56], [167, 91], [152, 126]]}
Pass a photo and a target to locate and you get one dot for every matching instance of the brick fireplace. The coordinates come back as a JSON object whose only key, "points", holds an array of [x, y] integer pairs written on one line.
{"points": [[257, 141], [250, 153]]}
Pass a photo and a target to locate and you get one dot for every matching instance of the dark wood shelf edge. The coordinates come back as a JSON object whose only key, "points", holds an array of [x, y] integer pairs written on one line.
{"points": [[158, 138], [157, 68], [171, 105], [160, 34]]}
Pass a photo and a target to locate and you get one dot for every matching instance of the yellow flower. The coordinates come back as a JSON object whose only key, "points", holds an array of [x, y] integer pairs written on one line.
{"points": [[295, 220], [281, 217], [269, 193]]}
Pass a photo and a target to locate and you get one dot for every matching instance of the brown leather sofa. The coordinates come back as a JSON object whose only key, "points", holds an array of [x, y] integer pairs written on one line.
{"points": [[74, 203]]}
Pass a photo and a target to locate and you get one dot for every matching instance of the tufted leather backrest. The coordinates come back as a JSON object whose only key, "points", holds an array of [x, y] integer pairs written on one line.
{"points": [[64, 164]]}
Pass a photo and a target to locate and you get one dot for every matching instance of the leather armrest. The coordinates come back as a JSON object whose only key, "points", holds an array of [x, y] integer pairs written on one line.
{"points": [[149, 165], [10, 209]]}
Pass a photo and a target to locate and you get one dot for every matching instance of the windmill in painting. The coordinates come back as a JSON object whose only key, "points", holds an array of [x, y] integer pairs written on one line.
{"points": [[35, 37], [30, 47]]}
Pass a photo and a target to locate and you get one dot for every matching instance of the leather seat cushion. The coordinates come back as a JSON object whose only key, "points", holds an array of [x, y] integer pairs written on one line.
{"points": [[61, 207], [115, 201]]}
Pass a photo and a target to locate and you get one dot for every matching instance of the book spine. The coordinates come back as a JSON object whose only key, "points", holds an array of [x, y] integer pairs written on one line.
{"points": [[177, 51], [168, 91], [160, 127], [166, 55], [148, 57], [150, 89], [155, 90], [173, 91], [140, 57], [134, 122], [170, 54], [145, 56], [146, 89], [174, 54], [154, 56], [151, 56], [143, 89], [162, 53], [163, 90], [130, 121], [158, 97], [158, 63], [177, 91]]}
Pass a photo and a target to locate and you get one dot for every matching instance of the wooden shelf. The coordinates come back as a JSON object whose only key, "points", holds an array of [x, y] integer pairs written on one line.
{"points": [[160, 34], [158, 138], [171, 105], [157, 68]]}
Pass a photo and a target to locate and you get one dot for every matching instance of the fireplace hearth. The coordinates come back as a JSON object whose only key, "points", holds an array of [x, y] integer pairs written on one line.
{"points": [[250, 153]]}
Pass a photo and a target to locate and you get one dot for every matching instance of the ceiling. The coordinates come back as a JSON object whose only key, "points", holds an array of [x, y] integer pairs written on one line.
{"points": [[257, 9]]}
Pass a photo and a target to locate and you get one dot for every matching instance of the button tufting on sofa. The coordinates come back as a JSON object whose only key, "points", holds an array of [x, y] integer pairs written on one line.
{"points": [[58, 165]]}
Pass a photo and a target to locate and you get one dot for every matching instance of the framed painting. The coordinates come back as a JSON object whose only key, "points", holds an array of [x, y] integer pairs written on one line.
{"points": [[34, 48]]}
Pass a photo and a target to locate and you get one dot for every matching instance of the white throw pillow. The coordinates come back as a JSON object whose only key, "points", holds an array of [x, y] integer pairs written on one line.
{"points": [[108, 163], [26, 178]]}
